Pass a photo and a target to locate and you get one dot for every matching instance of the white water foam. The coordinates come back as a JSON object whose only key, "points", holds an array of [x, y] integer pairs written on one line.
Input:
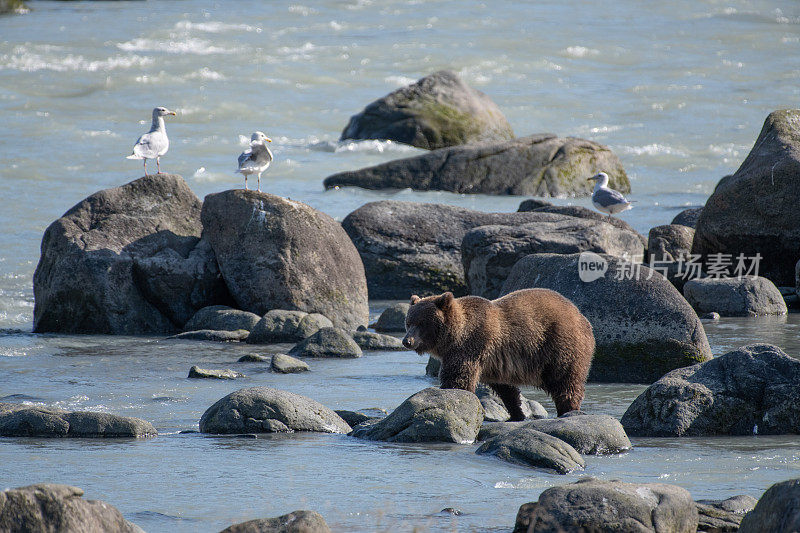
{"points": [[190, 46]]}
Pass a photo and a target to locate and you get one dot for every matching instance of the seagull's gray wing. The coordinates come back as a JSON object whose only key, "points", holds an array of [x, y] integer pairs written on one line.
{"points": [[608, 197], [244, 157]]}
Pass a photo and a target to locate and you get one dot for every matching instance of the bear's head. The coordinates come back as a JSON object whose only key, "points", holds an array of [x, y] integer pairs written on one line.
{"points": [[426, 322]]}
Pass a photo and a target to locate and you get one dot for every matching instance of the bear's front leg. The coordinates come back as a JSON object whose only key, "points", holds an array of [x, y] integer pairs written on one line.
{"points": [[512, 399], [459, 374]]}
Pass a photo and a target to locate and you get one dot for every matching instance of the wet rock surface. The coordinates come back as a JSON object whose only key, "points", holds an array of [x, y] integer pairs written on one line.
{"points": [[746, 296], [327, 342], [528, 447], [32, 421], [294, 522], [222, 318]]}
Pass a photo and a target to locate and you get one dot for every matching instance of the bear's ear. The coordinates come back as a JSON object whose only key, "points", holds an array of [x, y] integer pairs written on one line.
{"points": [[414, 299], [445, 301]]}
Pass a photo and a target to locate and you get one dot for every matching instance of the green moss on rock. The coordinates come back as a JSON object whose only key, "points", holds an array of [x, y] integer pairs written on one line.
{"points": [[644, 362]]}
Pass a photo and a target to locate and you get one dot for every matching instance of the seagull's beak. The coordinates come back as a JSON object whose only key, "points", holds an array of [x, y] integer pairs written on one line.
{"points": [[268, 139], [173, 113]]}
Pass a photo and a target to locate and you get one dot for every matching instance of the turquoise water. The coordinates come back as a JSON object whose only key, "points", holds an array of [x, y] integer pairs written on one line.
{"points": [[679, 90]]}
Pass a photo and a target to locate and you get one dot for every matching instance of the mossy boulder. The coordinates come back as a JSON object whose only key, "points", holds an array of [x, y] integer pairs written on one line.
{"points": [[438, 110], [537, 165]]}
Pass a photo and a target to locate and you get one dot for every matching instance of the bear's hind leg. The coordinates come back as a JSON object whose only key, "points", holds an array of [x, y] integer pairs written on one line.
{"points": [[512, 399]]}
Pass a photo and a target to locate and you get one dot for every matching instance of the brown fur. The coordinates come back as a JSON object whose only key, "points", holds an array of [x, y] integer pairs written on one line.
{"points": [[529, 337]]}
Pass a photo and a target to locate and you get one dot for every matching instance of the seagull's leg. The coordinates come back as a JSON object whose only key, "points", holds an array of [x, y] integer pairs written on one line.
{"points": [[259, 182], [245, 182], [145, 166], [158, 163]]}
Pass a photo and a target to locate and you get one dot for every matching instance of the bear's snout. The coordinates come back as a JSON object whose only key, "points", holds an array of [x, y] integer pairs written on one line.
{"points": [[410, 342]]}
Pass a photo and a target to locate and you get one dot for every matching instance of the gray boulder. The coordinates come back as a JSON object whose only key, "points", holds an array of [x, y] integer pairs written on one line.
{"points": [[266, 410], [287, 326], [222, 318], [643, 327], [754, 211], [415, 248], [213, 373], [294, 522], [212, 335], [582, 212], [671, 242], [489, 252], [26, 421], [125, 261], [588, 434], [746, 296], [723, 516], [276, 253], [595, 505], [777, 511], [327, 342], [532, 204], [755, 389], [495, 411], [433, 367], [286, 364], [368, 340], [393, 319], [528, 447], [255, 358], [537, 165], [431, 415], [354, 418], [688, 217], [438, 110], [50, 507]]}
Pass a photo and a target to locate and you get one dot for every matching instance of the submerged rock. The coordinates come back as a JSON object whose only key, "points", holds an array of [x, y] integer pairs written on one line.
{"points": [[267, 410], [368, 340], [415, 248], [327, 342], [528, 447], [595, 505], [286, 364], [354, 418], [287, 326], [537, 165], [643, 327], [747, 296], [495, 410], [276, 253], [212, 335], [50, 507], [431, 415], [114, 263], [205, 373], [755, 389], [754, 211], [588, 434], [778, 510], [393, 319], [27, 421], [438, 110], [222, 318], [489, 252], [294, 522]]}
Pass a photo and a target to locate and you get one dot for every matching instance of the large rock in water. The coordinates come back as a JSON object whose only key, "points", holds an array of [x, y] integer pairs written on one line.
{"points": [[526, 446], [415, 248], [746, 296], [596, 505], [643, 327], [755, 210], [489, 252], [267, 410], [127, 260], [438, 110], [538, 165], [51, 507], [778, 510], [33, 421], [294, 522], [755, 389], [276, 253], [431, 415]]}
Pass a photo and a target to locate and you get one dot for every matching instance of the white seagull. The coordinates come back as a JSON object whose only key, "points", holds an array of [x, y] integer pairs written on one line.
{"points": [[255, 159], [154, 143], [607, 200]]}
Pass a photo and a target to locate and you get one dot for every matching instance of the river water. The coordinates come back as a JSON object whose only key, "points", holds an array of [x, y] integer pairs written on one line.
{"points": [[678, 89]]}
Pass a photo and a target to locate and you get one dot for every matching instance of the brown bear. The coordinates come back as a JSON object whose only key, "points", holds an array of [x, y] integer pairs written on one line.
{"points": [[528, 337]]}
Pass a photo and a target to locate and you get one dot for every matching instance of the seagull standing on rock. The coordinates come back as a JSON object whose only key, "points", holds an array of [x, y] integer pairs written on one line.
{"points": [[154, 143], [607, 200], [255, 159]]}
